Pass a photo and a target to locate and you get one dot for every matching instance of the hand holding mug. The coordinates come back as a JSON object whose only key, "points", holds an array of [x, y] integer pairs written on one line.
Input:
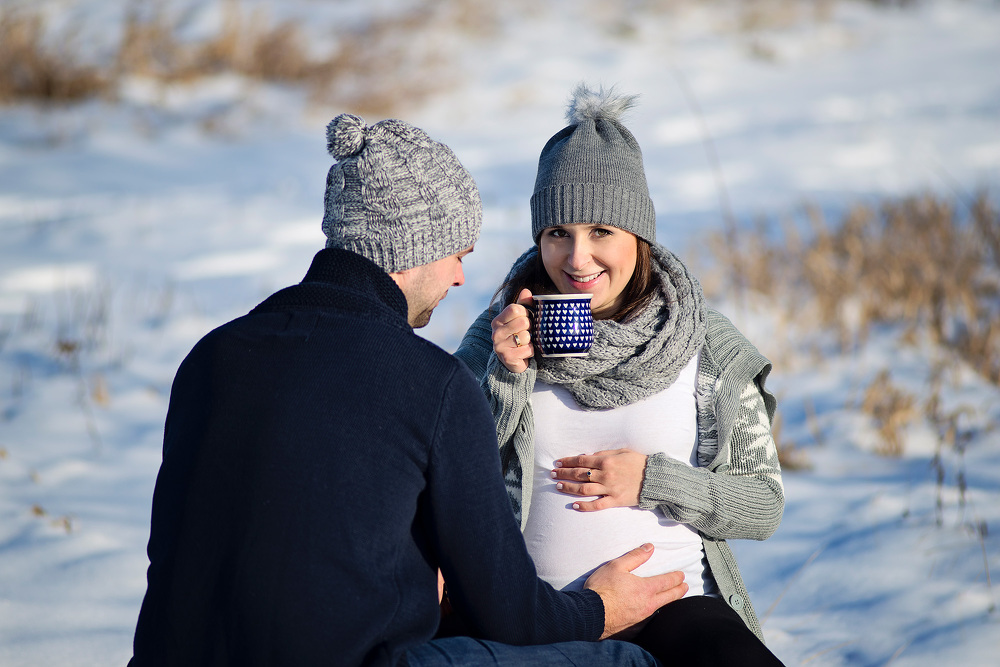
{"points": [[512, 340]]}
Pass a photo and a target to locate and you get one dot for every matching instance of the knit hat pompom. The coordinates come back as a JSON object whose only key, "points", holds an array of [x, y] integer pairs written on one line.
{"points": [[594, 105], [396, 196], [345, 136], [591, 171]]}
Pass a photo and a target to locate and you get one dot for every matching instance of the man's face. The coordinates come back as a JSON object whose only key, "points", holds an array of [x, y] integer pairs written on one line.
{"points": [[425, 286]]}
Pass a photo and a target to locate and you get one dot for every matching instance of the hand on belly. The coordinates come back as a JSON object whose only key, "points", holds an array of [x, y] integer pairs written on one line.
{"points": [[614, 476]]}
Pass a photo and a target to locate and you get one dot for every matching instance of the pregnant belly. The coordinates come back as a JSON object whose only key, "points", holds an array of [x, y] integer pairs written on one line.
{"points": [[567, 545]]}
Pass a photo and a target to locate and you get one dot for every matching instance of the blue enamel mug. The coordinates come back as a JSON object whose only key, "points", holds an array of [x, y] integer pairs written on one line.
{"points": [[563, 325]]}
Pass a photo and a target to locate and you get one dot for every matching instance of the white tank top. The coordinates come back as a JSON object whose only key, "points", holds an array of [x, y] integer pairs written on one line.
{"points": [[568, 545]]}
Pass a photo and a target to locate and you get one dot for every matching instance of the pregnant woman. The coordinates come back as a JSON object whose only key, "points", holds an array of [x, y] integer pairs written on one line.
{"points": [[660, 435]]}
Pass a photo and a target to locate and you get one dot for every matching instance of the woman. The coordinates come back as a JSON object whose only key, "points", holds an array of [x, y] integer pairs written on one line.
{"points": [[669, 407]]}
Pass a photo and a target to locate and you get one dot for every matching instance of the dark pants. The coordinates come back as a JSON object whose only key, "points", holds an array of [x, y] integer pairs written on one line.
{"points": [[702, 630], [468, 652]]}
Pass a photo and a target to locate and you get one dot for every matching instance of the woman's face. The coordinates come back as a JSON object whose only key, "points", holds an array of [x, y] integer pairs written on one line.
{"points": [[594, 259]]}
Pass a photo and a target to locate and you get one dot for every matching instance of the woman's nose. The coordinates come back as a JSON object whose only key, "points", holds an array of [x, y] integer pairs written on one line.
{"points": [[579, 254]]}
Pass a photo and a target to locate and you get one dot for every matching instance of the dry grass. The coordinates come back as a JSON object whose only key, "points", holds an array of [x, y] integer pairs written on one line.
{"points": [[65, 522], [790, 457], [930, 264], [926, 263], [756, 15], [36, 70], [246, 44], [372, 68], [892, 409]]}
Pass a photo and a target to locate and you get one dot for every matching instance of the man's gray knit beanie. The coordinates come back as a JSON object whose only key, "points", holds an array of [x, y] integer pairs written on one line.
{"points": [[396, 196], [591, 171]]}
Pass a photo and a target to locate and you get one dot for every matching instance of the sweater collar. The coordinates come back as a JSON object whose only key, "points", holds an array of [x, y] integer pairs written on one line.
{"points": [[335, 274]]}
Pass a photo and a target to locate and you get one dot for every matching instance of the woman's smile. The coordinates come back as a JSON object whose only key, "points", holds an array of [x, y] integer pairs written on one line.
{"points": [[584, 282]]}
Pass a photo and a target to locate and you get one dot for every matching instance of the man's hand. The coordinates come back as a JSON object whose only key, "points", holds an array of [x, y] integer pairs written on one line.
{"points": [[629, 599]]}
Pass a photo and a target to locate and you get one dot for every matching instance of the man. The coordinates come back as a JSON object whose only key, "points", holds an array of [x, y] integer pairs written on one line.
{"points": [[321, 462]]}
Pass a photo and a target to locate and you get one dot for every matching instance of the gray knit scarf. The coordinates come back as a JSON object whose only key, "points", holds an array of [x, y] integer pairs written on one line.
{"points": [[633, 360]]}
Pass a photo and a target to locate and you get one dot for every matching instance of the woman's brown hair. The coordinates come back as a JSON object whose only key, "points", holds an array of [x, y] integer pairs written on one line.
{"points": [[637, 293]]}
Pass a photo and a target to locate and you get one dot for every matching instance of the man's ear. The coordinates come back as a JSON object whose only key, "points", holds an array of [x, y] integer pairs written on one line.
{"points": [[401, 278]]}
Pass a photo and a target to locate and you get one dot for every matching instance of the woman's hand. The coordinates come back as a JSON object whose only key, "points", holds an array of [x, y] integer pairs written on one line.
{"points": [[614, 474], [512, 334]]}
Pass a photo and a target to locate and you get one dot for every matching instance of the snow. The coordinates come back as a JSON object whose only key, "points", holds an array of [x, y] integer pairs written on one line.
{"points": [[131, 228]]}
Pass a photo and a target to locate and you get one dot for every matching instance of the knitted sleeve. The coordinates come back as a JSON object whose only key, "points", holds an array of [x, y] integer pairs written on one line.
{"points": [[508, 395], [507, 392], [740, 495], [477, 345], [491, 578]]}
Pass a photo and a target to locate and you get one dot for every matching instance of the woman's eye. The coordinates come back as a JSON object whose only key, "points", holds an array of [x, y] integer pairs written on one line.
{"points": [[600, 231], [558, 233]]}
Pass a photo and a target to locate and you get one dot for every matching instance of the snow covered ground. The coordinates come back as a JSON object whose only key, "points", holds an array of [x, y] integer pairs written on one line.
{"points": [[132, 228]]}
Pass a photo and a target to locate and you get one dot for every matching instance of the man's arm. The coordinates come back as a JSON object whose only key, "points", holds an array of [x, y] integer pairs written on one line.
{"points": [[491, 578]]}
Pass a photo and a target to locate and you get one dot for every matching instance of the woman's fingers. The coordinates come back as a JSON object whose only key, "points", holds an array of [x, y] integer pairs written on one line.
{"points": [[584, 489], [616, 475], [513, 320], [512, 337], [507, 323], [581, 461], [521, 338], [576, 474], [602, 503], [515, 359]]}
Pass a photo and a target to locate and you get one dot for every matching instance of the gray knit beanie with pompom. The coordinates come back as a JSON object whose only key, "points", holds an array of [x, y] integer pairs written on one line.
{"points": [[591, 171], [396, 196]]}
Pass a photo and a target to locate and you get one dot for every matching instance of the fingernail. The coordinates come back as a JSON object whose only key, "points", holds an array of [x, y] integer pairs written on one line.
{"points": [[576, 506], [552, 474], [647, 547], [559, 464], [559, 486]]}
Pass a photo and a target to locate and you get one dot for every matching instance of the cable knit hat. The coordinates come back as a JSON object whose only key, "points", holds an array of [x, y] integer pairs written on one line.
{"points": [[591, 171], [396, 196]]}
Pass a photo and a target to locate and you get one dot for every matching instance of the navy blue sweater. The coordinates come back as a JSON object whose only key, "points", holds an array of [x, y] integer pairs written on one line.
{"points": [[320, 462]]}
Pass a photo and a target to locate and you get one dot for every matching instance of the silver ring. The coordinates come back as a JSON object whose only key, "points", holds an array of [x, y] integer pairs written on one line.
{"points": [[517, 341]]}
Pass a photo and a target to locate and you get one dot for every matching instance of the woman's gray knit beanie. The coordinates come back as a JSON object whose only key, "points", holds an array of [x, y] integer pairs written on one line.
{"points": [[591, 171], [396, 196]]}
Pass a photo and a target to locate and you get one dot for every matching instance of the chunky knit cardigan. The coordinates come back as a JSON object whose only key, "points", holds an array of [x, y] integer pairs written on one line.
{"points": [[734, 493]]}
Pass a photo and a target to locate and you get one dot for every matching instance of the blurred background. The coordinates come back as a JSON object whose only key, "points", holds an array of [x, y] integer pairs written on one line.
{"points": [[829, 169]]}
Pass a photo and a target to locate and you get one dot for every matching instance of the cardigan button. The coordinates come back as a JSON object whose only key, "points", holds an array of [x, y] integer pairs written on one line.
{"points": [[736, 600]]}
